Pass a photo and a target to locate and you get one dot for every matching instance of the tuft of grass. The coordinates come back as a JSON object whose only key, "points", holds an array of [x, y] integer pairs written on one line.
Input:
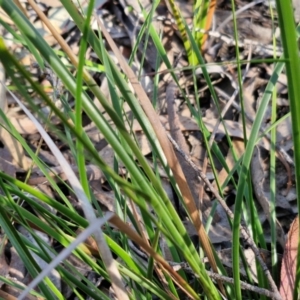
{"points": [[144, 191]]}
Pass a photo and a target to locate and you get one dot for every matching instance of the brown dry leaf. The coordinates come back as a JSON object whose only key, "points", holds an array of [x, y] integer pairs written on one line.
{"points": [[108, 155], [17, 271], [10, 293], [12, 144], [234, 129], [289, 261], [106, 199], [93, 173], [6, 296], [16, 267], [15, 149], [4, 268], [24, 125], [123, 227], [6, 165], [219, 231], [144, 144]]}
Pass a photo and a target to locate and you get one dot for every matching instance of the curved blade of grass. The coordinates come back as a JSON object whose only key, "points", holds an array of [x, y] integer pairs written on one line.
{"points": [[78, 100], [243, 174]]}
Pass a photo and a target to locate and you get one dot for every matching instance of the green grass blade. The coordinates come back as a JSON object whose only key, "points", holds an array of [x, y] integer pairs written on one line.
{"points": [[291, 53], [244, 173], [78, 101]]}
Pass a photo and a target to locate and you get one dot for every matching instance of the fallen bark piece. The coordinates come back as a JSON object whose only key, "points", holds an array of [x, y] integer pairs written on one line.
{"points": [[289, 262]]}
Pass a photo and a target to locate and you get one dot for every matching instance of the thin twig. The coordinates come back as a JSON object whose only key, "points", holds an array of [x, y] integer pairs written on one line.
{"points": [[244, 285]]}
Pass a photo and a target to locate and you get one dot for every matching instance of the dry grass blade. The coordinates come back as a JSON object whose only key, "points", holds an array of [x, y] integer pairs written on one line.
{"points": [[6, 296], [168, 151], [123, 227]]}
